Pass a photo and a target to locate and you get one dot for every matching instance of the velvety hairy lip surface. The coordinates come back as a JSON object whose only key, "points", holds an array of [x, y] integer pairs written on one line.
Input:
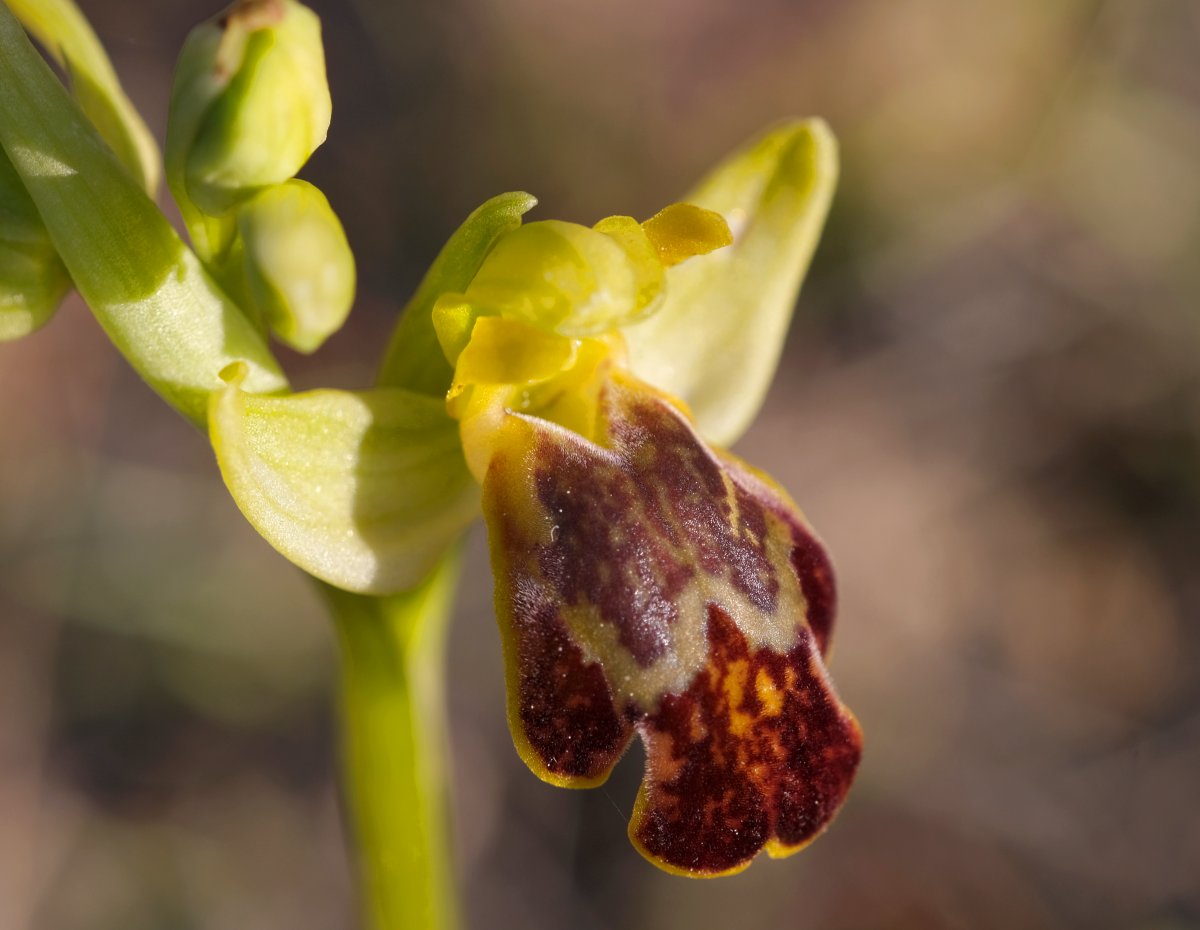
{"points": [[757, 752], [644, 582]]}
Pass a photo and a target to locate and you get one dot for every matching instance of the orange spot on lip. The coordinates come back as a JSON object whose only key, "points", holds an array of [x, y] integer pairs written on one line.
{"points": [[769, 695]]}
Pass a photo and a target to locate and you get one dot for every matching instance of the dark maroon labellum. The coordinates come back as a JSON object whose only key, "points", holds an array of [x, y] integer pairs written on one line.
{"points": [[646, 582]]}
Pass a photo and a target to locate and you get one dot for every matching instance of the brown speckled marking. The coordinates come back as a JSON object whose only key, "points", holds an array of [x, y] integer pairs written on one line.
{"points": [[811, 564], [810, 561], [566, 710], [560, 710], [757, 751], [627, 564]]}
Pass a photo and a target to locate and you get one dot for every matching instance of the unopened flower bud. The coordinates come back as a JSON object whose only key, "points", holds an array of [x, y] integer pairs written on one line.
{"points": [[250, 103], [299, 270], [33, 280]]}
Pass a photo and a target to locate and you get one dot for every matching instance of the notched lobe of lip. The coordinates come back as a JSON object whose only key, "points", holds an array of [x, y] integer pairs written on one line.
{"points": [[758, 752]]}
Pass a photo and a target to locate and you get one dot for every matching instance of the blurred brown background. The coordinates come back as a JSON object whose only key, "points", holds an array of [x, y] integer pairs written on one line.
{"points": [[989, 406]]}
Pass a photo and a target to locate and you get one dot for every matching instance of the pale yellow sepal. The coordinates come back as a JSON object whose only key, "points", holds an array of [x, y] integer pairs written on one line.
{"points": [[364, 490], [716, 339]]}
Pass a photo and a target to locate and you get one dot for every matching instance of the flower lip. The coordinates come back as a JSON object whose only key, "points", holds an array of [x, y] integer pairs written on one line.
{"points": [[647, 584]]}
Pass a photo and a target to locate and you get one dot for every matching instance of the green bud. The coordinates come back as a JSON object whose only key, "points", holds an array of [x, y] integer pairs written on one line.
{"points": [[155, 300], [299, 270], [33, 280], [250, 103]]}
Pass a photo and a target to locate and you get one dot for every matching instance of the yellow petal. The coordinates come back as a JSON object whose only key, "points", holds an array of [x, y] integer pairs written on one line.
{"points": [[684, 230]]}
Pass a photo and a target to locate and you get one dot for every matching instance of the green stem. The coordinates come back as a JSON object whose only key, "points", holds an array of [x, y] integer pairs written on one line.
{"points": [[394, 749]]}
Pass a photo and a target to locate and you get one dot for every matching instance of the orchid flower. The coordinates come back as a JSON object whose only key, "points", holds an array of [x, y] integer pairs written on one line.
{"points": [[572, 384], [646, 581]]}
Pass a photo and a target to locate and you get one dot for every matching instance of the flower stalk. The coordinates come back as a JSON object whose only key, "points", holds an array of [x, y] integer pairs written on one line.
{"points": [[394, 749]]}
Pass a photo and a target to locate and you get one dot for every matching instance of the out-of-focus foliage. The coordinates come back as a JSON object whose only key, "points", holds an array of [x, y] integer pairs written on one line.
{"points": [[989, 405]]}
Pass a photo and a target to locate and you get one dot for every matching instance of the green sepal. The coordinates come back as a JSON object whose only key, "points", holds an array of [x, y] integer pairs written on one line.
{"points": [[716, 339], [64, 31], [364, 490], [153, 297], [414, 357], [33, 280]]}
